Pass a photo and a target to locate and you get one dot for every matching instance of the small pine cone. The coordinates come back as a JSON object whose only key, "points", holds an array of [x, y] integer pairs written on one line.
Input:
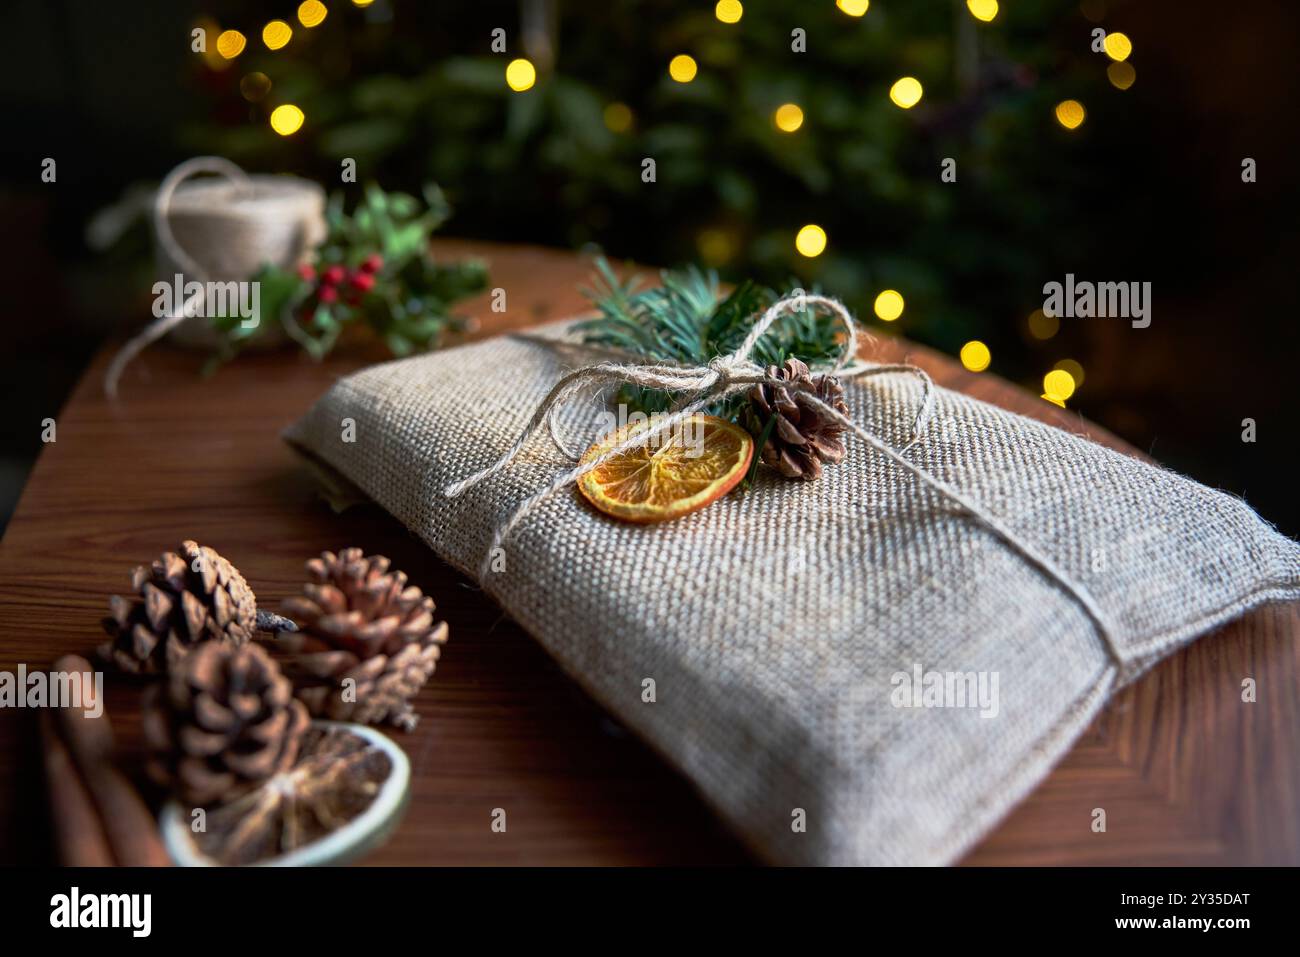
{"points": [[803, 437], [367, 641], [222, 722], [186, 596]]}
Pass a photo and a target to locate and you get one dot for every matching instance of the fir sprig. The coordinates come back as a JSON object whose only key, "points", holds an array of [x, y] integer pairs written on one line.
{"points": [[687, 321]]}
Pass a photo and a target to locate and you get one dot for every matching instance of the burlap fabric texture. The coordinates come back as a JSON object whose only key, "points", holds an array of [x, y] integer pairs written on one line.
{"points": [[778, 625]]}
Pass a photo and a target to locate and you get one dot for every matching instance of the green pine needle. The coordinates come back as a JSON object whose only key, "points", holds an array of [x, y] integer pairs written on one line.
{"points": [[687, 321]]}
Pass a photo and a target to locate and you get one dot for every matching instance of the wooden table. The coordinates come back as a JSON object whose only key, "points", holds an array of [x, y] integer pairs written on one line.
{"points": [[1186, 772]]}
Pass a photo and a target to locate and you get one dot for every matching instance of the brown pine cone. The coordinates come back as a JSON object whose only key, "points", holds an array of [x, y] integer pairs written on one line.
{"points": [[222, 722], [186, 596], [367, 640], [803, 437]]}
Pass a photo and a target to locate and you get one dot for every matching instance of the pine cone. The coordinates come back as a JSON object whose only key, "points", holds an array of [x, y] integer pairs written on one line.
{"points": [[222, 722], [367, 640], [804, 436], [186, 596]]}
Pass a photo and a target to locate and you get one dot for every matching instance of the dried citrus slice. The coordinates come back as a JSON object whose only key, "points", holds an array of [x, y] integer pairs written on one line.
{"points": [[344, 795], [678, 471]]}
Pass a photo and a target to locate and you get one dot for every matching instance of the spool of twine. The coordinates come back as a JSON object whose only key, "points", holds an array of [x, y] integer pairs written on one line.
{"points": [[218, 230]]}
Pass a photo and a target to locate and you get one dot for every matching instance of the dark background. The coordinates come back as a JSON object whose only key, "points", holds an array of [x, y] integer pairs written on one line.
{"points": [[1148, 189]]}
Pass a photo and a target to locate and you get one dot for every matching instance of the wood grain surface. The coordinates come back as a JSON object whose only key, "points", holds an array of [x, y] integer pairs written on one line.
{"points": [[1187, 772]]}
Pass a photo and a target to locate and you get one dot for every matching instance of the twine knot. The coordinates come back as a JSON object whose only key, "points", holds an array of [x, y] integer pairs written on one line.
{"points": [[725, 368]]}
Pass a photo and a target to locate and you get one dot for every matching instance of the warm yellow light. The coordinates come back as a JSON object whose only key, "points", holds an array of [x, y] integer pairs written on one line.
{"points": [[729, 11], [716, 246], [255, 86], [682, 68], [1118, 46], [788, 117], [889, 305], [1070, 114], [811, 241], [362, 3], [1073, 368], [1121, 75], [984, 10], [520, 75], [1043, 326], [230, 44], [975, 356], [618, 117], [276, 34], [1058, 384], [1094, 10], [906, 92], [854, 8], [286, 119], [311, 13]]}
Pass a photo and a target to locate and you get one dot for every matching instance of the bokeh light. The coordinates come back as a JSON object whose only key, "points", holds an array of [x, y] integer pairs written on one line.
{"points": [[1073, 368], [1070, 114], [362, 3], [1043, 326], [984, 10], [286, 119], [618, 117], [1118, 46], [520, 75], [231, 43], [906, 92], [716, 246], [1094, 10], [276, 34], [682, 68], [254, 86], [788, 117], [889, 305], [729, 11], [854, 8], [1121, 75], [311, 13], [811, 241], [1058, 385], [975, 356]]}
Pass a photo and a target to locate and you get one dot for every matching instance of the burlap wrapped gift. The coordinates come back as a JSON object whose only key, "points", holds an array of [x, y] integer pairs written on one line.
{"points": [[783, 627]]}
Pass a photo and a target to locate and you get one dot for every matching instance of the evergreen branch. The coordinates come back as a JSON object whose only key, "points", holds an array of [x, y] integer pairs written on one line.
{"points": [[686, 321]]}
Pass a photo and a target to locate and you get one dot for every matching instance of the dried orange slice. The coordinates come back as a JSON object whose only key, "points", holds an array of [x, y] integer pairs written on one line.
{"points": [[678, 471]]}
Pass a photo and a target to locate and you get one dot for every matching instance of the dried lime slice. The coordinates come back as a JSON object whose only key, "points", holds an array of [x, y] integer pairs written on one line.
{"points": [[343, 796]]}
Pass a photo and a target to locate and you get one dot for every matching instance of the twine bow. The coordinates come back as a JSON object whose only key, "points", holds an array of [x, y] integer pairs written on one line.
{"points": [[725, 375]]}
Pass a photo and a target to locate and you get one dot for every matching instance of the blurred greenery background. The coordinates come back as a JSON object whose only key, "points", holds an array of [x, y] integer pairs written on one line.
{"points": [[1147, 188], [409, 95]]}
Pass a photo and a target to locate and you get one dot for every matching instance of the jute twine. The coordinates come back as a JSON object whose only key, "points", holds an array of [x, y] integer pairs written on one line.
{"points": [[227, 231], [727, 375]]}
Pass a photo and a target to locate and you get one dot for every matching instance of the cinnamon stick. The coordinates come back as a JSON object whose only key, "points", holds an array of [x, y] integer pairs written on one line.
{"points": [[78, 835], [129, 827]]}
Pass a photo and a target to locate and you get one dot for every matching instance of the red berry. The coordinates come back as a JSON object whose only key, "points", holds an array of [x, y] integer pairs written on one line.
{"points": [[332, 276], [307, 271], [329, 294], [363, 281], [372, 263]]}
